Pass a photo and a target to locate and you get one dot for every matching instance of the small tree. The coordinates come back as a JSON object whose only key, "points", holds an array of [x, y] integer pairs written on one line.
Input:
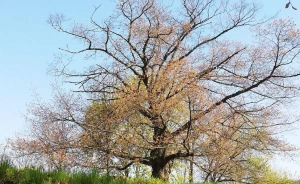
{"points": [[266, 174], [50, 142]]}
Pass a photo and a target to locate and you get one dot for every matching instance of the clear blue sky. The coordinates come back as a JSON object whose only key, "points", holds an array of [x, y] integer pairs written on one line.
{"points": [[28, 45]]}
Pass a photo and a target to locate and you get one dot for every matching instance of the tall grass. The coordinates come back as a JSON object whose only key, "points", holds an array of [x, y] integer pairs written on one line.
{"points": [[58, 176], [31, 175], [7, 170], [10, 174]]}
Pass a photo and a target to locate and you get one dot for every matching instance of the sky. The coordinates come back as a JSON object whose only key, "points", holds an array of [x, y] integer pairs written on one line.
{"points": [[28, 45]]}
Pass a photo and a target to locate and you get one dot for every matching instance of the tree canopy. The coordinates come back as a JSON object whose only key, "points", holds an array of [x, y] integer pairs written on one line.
{"points": [[170, 85]]}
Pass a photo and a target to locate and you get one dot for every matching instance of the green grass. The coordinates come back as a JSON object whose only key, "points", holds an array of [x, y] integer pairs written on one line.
{"points": [[9, 174]]}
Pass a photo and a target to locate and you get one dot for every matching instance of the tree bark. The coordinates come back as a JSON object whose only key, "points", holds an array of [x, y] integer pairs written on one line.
{"points": [[160, 167], [160, 170], [191, 172]]}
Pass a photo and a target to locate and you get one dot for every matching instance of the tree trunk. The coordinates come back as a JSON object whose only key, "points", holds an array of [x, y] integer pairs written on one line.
{"points": [[161, 171], [160, 165], [191, 172]]}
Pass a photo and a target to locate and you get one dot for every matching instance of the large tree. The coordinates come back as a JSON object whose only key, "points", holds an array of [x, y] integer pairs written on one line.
{"points": [[157, 60]]}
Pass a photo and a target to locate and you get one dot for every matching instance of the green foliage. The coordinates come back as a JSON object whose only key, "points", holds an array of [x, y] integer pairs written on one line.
{"points": [[273, 177], [144, 181], [84, 178], [32, 175], [9, 174], [58, 176], [7, 171], [106, 179], [263, 173]]}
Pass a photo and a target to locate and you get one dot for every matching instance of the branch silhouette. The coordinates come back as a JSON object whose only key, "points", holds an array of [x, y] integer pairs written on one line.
{"points": [[288, 5]]}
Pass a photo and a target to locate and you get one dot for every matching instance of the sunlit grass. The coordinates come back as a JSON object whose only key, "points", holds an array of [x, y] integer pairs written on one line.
{"points": [[10, 174]]}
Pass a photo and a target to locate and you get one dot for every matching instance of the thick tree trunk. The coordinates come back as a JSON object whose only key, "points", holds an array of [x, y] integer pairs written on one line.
{"points": [[161, 171], [160, 168]]}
